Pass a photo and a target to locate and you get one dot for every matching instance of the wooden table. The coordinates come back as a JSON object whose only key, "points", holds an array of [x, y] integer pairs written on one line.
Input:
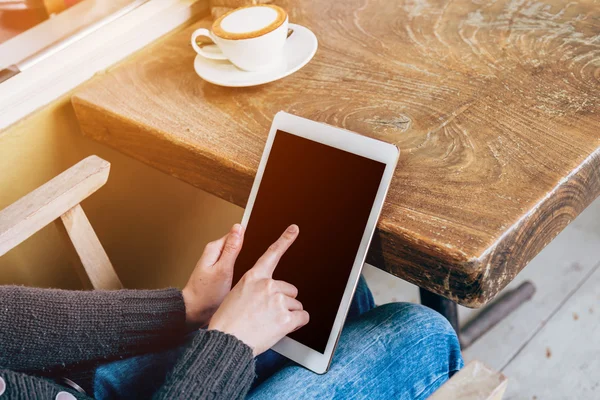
{"points": [[494, 104]]}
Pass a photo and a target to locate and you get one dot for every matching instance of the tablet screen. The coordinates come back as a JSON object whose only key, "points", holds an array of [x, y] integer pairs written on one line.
{"points": [[329, 194]]}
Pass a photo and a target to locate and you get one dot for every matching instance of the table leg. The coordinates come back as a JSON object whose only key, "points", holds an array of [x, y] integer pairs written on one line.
{"points": [[447, 308], [495, 312], [489, 316]]}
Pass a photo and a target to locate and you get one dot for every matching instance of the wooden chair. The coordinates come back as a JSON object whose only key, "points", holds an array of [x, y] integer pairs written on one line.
{"points": [[58, 200], [475, 381]]}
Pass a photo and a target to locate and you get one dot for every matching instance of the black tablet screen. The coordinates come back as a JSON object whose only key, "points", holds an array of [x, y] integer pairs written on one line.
{"points": [[329, 194]]}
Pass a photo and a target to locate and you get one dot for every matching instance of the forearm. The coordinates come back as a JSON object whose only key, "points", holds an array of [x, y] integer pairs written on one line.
{"points": [[43, 328], [214, 366]]}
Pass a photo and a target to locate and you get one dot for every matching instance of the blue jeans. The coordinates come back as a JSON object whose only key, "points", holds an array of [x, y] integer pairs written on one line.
{"points": [[398, 350]]}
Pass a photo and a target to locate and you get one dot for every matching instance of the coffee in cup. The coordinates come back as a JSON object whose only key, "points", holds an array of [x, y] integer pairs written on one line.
{"points": [[251, 37]]}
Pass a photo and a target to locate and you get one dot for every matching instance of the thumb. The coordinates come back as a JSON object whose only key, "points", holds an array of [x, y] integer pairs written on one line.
{"points": [[232, 247]]}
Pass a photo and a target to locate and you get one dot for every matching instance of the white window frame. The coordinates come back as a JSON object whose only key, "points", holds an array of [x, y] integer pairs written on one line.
{"points": [[61, 72]]}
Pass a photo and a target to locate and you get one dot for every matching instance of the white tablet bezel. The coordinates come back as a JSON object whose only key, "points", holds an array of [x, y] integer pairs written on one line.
{"points": [[354, 143]]}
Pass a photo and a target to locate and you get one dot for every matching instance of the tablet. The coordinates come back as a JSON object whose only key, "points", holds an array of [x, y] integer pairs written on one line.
{"points": [[332, 183]]}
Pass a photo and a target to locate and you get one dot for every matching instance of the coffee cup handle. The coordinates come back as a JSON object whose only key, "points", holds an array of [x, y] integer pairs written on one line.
{"points": [[205, 32]]}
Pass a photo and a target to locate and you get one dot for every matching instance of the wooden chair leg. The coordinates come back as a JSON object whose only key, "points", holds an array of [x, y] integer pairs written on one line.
{"points": [[90, 253], [474, 382], [73, 256]]}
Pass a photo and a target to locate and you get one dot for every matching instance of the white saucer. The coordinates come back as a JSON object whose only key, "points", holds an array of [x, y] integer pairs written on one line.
{"points": [[299, 49]]}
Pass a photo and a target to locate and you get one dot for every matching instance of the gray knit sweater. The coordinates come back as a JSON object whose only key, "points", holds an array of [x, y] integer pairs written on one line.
{"points": [[48, 333]]}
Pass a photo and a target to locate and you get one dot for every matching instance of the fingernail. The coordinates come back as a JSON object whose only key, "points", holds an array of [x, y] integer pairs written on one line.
{"points": [[236, 230], [292, 228]]}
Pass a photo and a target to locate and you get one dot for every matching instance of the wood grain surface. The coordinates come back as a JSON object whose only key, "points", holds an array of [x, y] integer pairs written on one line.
{"points": [[494, 104]]}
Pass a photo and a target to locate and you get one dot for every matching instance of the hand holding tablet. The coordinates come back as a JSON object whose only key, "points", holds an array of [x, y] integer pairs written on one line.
{"points": [[260, 310], [331, 183]]}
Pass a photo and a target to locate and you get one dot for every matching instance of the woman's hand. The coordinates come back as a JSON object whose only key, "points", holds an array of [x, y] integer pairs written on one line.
{"points": [[211, 279], [260, 311]]}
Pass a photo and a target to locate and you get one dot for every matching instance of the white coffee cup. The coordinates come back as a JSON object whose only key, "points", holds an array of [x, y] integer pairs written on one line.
{"points": [[251, 37]]}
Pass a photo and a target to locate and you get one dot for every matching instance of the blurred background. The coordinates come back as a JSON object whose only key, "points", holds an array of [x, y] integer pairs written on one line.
{"points": [[31, 30], [17, 16]]}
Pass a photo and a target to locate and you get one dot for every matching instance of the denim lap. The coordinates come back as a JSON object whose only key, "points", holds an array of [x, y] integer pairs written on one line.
{"points": [[410, 350], [135, 377], [395, 351]]}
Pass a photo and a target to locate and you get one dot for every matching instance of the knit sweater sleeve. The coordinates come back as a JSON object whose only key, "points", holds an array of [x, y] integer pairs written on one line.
{"points": [[214, 366], [45, 328]]}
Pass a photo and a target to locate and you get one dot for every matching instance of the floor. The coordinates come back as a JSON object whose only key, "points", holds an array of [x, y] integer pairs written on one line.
{"points": [[549, 348]]}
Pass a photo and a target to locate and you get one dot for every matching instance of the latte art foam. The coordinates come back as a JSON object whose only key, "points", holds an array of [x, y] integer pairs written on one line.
{"points": [[249, 22]]}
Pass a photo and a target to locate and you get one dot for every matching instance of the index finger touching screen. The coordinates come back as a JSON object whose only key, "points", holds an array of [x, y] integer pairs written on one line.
{"points": [[328, 193]]}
